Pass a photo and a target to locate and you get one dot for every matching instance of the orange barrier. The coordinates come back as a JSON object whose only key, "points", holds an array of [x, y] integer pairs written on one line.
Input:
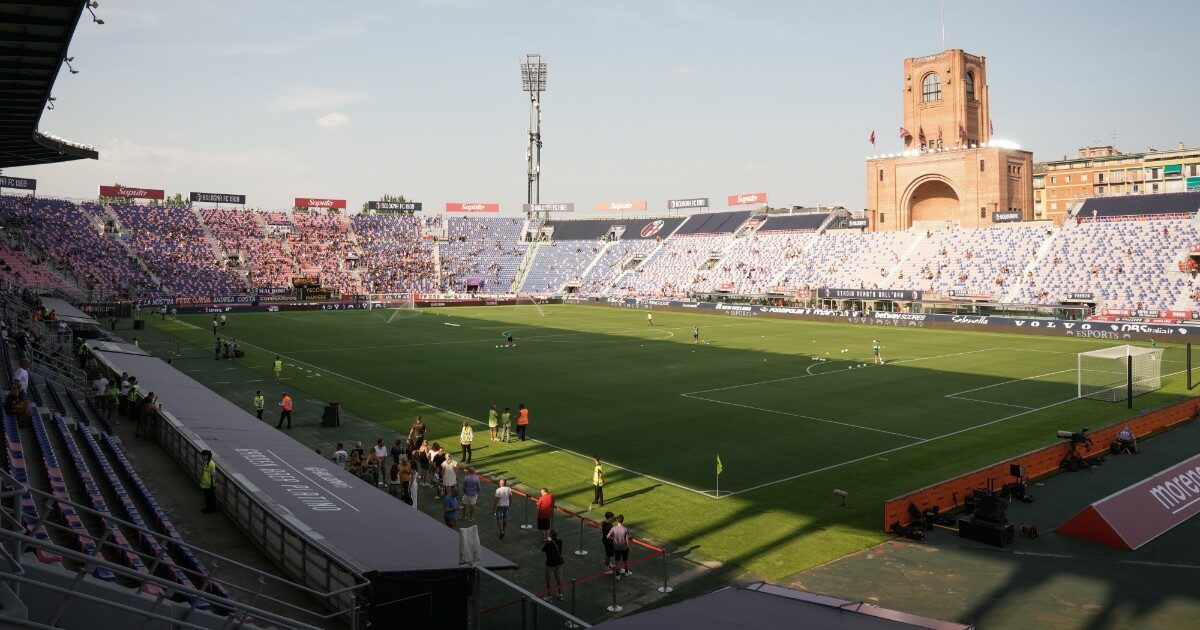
{"points": [[949, 494]]}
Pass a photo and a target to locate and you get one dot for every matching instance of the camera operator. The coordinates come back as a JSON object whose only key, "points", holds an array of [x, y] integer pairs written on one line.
{"points": [[1126, 442]]}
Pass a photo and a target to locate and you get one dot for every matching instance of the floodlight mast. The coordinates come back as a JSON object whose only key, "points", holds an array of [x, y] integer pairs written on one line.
{"points": [[533, 81]]}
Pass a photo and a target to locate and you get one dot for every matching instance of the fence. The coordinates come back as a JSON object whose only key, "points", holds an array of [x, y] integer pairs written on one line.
{"points": [[950, 494]]}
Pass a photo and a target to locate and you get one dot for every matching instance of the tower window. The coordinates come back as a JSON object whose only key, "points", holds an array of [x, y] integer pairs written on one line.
{"points": [[970, 84], [931, 88]]}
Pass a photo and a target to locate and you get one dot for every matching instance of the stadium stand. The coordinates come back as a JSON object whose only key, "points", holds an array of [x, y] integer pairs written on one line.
{"points": [[984, 262], [714, 223], [395, 257], [324, 247], [752, 263], [1163, 205], [850, 260], [481, 252], [674, 267], [806, 222], [173, 244], [557, 262], [613, 262]]}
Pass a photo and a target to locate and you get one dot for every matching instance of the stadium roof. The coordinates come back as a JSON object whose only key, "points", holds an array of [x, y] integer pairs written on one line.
{"points": [[34, 36]]}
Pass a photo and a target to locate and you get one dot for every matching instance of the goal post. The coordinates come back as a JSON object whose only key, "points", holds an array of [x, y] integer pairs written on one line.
{"points": [[1119, 373]]}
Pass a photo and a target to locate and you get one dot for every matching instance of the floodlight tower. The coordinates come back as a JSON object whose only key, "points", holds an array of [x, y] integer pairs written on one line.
{"points": [[533, 80]]}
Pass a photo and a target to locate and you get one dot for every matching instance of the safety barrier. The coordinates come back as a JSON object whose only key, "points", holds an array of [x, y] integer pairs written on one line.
{"points": [[950, 494]]}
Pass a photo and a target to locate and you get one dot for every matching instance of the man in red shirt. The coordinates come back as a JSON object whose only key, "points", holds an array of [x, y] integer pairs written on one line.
{"points": [[545, 510]]}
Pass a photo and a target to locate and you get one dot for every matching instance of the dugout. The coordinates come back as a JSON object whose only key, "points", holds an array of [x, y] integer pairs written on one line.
{"points": [[321, 525]]}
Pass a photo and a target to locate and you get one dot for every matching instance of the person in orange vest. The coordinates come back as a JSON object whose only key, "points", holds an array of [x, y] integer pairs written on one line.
{"points": [[522, 421], [285, 411]]}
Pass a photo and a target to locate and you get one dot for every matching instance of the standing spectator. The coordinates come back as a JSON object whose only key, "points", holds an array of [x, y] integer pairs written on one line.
{"points": [[358, 450], [214, 324], [149, 407], [423, 464], [285, 411], [437, 457], [340, 456], [406, 480], [259, 402], [465, 438], [123, 397], [605, 527], [494, 421], [206, 481], [222, 320], [381, 451], [545, 513], [112, 399], [374, 469], [553, 548], [99, 386], [522, 421], [21, 376], [416, 434], [506, 424], [393, 481], [216, 348], [398, 451], [597, 482], [470, 492], [450, 510], [500, 503], [620, 539], [450, 476]]}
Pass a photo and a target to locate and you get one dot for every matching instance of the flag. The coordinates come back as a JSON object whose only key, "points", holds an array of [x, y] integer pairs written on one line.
{"points": [[991, 129], [872, 137], [720, 468], [904, 135], [921, 134], [962, 132]]}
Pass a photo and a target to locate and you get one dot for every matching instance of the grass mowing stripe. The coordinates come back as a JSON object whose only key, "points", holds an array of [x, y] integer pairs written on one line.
{"points": [[798, 415]]}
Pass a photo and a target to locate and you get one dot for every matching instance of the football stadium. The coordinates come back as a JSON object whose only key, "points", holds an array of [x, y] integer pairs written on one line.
{"points": [[966, 401]]}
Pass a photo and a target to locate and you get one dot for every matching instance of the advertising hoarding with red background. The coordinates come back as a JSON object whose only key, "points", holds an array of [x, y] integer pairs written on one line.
{"points": [[747, 199], [472, 207], [621, 206], [313, 202], [132, 192]]}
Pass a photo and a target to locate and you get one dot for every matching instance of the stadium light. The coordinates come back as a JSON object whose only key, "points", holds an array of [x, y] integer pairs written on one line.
{"points": [[533, 81]]}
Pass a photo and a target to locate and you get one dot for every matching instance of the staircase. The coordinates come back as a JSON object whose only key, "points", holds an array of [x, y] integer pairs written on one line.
{"points": [[526, 264], [912, 247], [1038, 260], [591, 265]]}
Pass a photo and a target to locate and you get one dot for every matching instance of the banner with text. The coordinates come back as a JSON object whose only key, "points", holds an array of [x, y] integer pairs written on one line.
{"points": [[22, 183], [869, 294], [1006, 217], [395, 206], [680, 204], [747, 199], [859, 223], [312, 202], [129, 192], [472, 207], [621, 206], [201, 197], [548, 207]]}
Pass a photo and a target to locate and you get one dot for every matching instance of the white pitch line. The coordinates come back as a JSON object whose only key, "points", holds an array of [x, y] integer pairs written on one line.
{"points": [[797, 415], [1015, 380], [481, 423], [989, 402], [792, 378], [907, 446]]}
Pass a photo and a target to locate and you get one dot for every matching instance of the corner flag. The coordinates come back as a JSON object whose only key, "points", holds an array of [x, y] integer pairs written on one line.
{"points": [[720, 468]]}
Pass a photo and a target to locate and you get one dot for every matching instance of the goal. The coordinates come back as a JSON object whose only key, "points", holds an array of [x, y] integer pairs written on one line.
{"points": [[1111, 373]]}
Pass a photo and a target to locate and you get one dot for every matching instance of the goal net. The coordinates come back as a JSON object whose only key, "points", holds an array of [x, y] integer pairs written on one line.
{"points": [[1105, 374]]}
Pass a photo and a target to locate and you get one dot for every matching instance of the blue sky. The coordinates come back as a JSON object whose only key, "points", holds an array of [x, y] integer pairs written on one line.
{"points": [[650, 99]]}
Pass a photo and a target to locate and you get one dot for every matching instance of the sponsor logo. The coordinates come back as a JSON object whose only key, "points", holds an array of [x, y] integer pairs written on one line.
{"points": [[650, 229], [967, 319], [739, 200], [1178, 490], [859, 223], [22, 183], [1094, 334], [619, 206], [674, 204], [310, 202], [548, 207]]}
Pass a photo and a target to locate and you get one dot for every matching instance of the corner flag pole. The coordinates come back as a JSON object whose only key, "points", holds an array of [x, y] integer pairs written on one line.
{"points": [[719, 469]]}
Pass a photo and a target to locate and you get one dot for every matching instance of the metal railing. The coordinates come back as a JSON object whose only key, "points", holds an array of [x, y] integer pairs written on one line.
{"points": [[15, 540]]}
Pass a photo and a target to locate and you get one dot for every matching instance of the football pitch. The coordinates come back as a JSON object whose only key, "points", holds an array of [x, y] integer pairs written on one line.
{"points": [[791, 416]]}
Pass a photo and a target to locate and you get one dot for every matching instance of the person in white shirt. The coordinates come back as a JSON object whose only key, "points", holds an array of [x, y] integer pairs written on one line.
{"points": [[340, 456], [450, 476], [500, 505], [99, 385], [22, 375]]}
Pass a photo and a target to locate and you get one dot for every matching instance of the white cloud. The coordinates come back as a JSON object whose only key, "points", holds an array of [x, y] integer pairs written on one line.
{"points": [[312, 98], [333, 120], [296, 44], [126, 156]]}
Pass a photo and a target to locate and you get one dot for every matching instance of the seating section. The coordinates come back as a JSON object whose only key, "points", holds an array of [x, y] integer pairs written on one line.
{"points": [[673, 269], [484, 252], [323, 245], [1177, 205], [17, 268], [1123, 264], [395, 258], [612, 262], [752, 262], [234, 231], [557, 262], [172, 243], [850, 260], [15, 453], [714, 223], [984, 262]]}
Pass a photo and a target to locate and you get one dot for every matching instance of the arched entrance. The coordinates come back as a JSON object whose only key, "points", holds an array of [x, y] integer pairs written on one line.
{"points": [[934, 200]]}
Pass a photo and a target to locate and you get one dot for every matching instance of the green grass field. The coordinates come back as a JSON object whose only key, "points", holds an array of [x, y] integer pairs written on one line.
{"points": [[660, 409]]}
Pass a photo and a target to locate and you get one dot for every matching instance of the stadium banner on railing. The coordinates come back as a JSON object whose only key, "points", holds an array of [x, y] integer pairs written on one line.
{"points": [[313, 202], [680, 204], [395, 206], [20, 183], [869, 294], [621, 206], [201, 197], [1081, 296], [859, 223], [472, 207], [1006, 217], [747, 199], [548, 207], [274, 291], [130, 192]]}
